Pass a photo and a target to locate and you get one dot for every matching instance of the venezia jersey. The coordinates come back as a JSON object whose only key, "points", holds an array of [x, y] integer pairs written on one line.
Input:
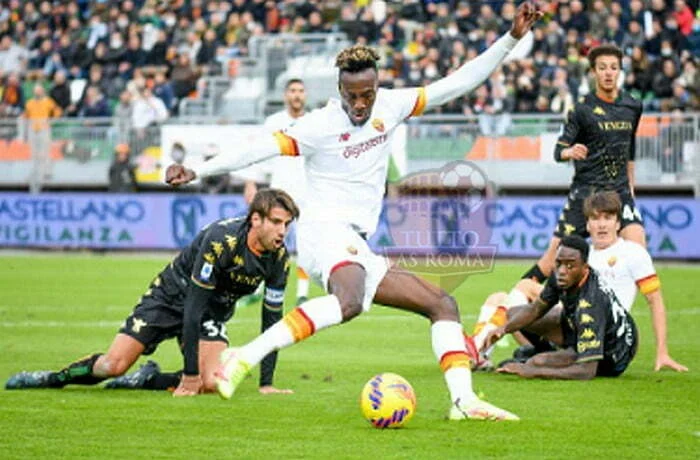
{"points": [[219, 259], [603, 329], [608, 131]]}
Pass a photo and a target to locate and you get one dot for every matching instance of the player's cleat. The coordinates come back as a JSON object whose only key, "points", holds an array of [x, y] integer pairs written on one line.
{"points": [[479, 410], [523, 353], [136, 379], [485, 365], [231, 373], [26, 380], [477, 360]]}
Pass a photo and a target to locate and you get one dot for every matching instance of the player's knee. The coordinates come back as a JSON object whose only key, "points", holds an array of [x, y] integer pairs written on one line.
{"points": [[497, 298], [445, 308], [529, 287], [350, 306], [111, 366]]}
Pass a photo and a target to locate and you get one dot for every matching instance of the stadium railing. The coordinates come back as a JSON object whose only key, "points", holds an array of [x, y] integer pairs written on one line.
{"points": [[513, 151]]}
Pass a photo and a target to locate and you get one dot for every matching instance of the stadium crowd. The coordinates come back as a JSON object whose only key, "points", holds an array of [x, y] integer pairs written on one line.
{"points": [[140, 57]]}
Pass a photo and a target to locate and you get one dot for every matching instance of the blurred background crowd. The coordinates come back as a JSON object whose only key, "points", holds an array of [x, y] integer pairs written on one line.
{"points": [[138, 58]]}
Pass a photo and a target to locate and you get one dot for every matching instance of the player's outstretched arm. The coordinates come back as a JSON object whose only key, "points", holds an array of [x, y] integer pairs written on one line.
{"points": [[658, 321], [473, 73], [257, 150]]}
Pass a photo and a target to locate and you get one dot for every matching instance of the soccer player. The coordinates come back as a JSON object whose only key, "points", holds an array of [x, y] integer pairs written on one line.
{"points": [[596, 334], [191, 299], [599, 139], [288, 171], [346, 146], [624, 266]]}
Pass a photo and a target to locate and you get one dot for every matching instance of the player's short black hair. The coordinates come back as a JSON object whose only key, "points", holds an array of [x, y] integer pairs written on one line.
{"points": [[269, 198], [578, 243], [604, 50], [293, 81], [356, 59], [603, 202]]}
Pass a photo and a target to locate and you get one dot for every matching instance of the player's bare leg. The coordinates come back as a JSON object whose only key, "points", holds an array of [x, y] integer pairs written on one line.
{"points": [[122, 354], [209, 361], [404, 290], [635, 233], [89, 370]]}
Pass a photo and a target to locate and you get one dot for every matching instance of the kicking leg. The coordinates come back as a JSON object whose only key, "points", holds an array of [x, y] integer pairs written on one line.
{"points": [[404, 290], [346, 285]]}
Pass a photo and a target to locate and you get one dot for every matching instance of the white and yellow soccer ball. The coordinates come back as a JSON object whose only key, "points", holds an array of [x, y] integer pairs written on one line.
{"points": [[388, 401]]}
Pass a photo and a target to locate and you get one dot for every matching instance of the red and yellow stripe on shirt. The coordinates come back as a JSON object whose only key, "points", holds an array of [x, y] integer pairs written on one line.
{"points": [[649, 284], [421, 100], [299, 324], [454, 359], [288, 146]]}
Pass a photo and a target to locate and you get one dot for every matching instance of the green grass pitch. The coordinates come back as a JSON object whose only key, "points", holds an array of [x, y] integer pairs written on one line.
{"points": [[55, 308]]}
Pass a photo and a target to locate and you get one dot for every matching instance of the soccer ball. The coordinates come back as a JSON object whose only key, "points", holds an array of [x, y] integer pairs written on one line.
{"points": [[388, 401]]}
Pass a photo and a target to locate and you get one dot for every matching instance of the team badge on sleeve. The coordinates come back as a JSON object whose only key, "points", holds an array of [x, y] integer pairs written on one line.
{"points": [[205, 273]]}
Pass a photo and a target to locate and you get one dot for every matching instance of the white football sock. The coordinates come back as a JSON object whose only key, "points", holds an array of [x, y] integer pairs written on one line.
{"points": [[321, 311], [446, 337]]}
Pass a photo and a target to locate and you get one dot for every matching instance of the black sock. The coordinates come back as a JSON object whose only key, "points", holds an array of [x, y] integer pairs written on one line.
{"points": [[77, 373], [534, 273], [163, 381], [541, 344]]}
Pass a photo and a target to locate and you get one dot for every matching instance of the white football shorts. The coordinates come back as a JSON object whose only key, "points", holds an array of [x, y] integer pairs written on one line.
{"points": [[322, 246]]}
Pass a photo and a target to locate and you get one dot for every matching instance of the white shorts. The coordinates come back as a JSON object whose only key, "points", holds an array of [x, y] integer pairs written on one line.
{"points": [[323, 246]]}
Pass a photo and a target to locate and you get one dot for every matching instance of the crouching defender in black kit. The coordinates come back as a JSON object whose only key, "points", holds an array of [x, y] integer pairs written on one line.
{"points": [[191, 299], [599, 139], [596, 335]]}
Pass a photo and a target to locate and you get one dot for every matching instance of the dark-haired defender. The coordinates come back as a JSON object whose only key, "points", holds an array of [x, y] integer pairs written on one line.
{"points": [[599, 138], [192, 299], [346, 145], [596, 334]]}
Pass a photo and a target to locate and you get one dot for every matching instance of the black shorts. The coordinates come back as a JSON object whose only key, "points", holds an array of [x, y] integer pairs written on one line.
{"points": [[159, 317], [612, 366], [609, 366], [573, 222]]}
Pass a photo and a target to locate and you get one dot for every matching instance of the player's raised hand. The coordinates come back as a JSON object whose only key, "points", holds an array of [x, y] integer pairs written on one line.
{"points": [[576, 152], [528, 13], [666, 361], [270, 390], [190, 385], [178, 175]]}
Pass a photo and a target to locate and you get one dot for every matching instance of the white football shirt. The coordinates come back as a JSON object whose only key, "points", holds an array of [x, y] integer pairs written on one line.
{"points": [[346, 165], [626, 267]]}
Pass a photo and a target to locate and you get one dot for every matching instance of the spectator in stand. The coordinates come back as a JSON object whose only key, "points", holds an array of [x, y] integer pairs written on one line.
{"points": [[13, 57], [12, 99], [122, 117], [94, 105], [122, 173], [662, 83], [148, 110], [163, 90], [38, 111], [60, 91]]}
